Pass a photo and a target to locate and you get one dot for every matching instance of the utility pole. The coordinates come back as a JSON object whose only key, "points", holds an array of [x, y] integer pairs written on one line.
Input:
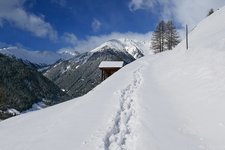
{"points": [[186, 36]]}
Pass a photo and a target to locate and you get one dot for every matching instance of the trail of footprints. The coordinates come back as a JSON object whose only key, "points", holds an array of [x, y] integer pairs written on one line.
{"points": [[123, 126]]}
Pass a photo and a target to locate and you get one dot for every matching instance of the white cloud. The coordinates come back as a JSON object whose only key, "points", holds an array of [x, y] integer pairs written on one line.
{"points": [[12, 11], [92, 42], [183, 11], [96, 25], [70, 38], [141, 4]]}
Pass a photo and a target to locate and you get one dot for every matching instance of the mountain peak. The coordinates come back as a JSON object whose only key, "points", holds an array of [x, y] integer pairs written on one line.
{"points": [[134, 48]]}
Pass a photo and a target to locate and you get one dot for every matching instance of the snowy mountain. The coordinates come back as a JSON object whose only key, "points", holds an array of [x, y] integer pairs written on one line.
{"points": [[135, 48], [81, 74], [170, 101], [36, 57]]}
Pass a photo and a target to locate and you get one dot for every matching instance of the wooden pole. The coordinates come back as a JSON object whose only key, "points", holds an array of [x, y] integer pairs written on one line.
{"points": [[186, 36]]}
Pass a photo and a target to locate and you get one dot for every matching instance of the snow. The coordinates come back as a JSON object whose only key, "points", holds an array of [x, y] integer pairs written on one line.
{"points": [[77, 66], [36, 106], [66, 69], [133, 47], [68, 52], [169, 101], [43, 69], [13, 111], [111, 64]]}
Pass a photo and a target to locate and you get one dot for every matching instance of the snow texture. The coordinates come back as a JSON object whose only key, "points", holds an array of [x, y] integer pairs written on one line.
{"points": [[121, 135], [111, 64], [13, 111], [37, 106]]}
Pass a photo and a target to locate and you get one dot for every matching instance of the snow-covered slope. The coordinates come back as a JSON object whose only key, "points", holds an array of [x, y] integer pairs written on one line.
{"points": [[170, 101], [36, 57]]}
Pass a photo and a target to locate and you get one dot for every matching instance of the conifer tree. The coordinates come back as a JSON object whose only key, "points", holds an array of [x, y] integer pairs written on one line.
{"points": [[165, 37], [211, 11], [172, 37], [158, 38]]}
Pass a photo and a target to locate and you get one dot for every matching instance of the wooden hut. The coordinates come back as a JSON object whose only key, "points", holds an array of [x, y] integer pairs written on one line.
{"points": [[109, 67]]}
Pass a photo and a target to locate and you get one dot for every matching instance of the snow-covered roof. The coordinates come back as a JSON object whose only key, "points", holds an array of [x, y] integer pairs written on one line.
{"points": [[111, 64]]}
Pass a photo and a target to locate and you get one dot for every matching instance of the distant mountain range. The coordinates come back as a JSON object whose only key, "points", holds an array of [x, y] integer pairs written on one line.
{"points": [[43, 58], [79, 75], [40, 58], [21, 86]]}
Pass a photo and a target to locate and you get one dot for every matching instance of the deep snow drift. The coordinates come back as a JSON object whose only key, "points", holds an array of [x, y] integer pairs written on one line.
{"points": [[170, 101]]}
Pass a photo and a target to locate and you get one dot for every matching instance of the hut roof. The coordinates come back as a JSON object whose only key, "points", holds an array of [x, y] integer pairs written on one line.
{"points": [[111, 64]]}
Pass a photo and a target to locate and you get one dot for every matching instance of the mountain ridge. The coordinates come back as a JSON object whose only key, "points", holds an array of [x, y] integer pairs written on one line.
{"points": [[80, 74], [22, 85], [41, 58]]}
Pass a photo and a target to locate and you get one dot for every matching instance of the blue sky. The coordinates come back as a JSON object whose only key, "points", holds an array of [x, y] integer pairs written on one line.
{"points": [[74, 24]]}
